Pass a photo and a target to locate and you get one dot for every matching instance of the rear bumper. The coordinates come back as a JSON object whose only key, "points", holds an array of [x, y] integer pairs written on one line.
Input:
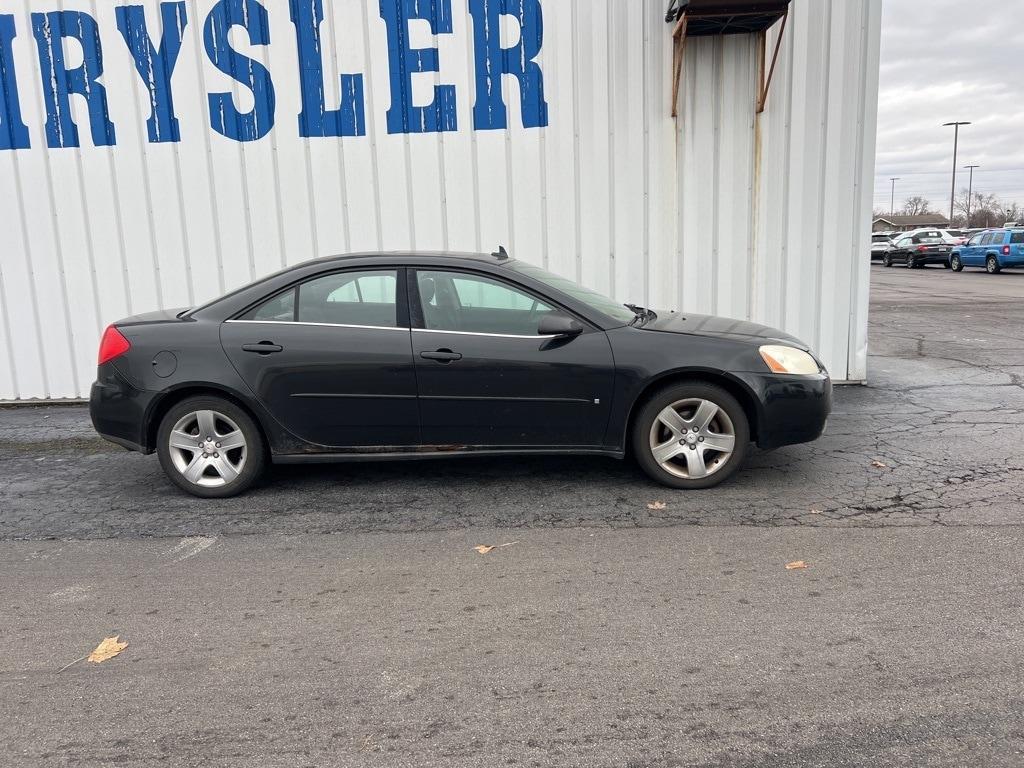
{"points": [[794, 409], [118, 410]]}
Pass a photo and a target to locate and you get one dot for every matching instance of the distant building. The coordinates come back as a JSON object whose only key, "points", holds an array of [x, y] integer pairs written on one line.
{"points": [[907, 223]]}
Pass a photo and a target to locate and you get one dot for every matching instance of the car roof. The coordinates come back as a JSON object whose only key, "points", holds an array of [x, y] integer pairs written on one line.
{"points": [[410, 256]]}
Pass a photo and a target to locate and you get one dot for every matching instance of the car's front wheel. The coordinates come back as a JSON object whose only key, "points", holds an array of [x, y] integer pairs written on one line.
{"points": [[210, 447], [887, 260], [691, 435], [956, 264]]}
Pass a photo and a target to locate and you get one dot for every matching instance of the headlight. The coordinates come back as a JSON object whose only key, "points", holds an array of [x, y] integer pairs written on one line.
{"points": [[782, 359]]}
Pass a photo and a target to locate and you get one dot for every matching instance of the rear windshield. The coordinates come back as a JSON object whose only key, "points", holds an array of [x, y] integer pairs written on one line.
{"points": [[879, 239], [927, 239]]}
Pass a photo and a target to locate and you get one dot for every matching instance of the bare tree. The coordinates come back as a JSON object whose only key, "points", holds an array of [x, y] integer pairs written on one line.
{"points": [[916, 206]]}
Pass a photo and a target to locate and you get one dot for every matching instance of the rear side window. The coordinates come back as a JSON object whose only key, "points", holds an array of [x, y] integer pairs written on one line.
{"points": [[351, 298], [280, 309], [1017, 237]]}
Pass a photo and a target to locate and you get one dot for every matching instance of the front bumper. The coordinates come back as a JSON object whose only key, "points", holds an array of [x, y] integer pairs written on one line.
{"points": [[118, 410], [792, 409]]}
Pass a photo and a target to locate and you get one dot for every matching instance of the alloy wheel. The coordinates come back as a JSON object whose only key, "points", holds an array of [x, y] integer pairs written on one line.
{"points": [[692, 438], [207, 448]]}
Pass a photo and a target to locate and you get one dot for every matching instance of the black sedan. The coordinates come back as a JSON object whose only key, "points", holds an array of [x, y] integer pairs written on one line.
{"points": [[405, 356], [915, 249]]}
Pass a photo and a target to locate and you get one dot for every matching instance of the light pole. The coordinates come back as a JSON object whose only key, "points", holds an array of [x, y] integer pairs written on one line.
{"points": [[892, 200], [956, 142], [970, 194]]}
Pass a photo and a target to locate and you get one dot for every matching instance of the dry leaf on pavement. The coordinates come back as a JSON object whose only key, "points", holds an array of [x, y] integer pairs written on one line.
{"points": [[879, 465], [817, 511], [657, 505], [796, 565], [483, 549], [108, 649]]}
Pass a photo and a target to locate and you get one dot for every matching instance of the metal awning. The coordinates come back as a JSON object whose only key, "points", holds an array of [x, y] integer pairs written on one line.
{"points": [[727, 17], [701, 18]]}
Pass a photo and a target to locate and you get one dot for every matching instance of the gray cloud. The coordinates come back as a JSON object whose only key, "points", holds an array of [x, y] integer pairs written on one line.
{"points": [[945, 60]]}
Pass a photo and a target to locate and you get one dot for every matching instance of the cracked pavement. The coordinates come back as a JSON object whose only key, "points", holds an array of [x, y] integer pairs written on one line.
{"points": [[943, 412], [340, 616]]}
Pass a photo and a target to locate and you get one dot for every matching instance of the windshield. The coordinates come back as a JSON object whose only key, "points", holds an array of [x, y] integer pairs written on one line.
{"points": [[592, 299]]}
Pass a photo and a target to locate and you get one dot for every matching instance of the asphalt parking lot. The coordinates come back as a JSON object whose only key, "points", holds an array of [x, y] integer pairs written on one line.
{"points": [[340, 615]]}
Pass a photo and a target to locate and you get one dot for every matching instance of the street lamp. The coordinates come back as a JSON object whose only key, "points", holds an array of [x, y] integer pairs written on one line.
{"points": [[956, 142], [892, 200], [970, 194]]}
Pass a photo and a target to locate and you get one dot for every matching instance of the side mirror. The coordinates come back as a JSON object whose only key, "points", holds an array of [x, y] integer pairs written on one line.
{"points": [[559, 325]]}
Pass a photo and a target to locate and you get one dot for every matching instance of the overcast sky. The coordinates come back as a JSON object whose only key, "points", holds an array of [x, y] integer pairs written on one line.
{"points": [[945, 60]]}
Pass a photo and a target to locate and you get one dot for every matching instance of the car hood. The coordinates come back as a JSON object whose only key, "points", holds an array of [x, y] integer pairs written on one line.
{"points": [[720, 327]]}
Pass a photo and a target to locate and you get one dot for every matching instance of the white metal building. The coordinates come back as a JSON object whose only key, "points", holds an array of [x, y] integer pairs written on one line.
{"points": [[160, 155]]}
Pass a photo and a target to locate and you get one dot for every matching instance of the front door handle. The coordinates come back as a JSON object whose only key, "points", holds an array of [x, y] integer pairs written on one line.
{"points": [[263, 348], [442, 356]]}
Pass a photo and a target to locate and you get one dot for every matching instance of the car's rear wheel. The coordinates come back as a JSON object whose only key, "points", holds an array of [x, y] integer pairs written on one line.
{"points": [[992, 265], [691, 435], [956, 264], [210, 447]]}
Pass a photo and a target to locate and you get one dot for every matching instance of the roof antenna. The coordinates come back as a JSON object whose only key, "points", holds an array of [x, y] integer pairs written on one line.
{"points": [[501, 254]]}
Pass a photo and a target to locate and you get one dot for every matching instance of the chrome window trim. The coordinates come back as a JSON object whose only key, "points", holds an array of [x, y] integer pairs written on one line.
{"points": [[493, 335], [322, 325]]}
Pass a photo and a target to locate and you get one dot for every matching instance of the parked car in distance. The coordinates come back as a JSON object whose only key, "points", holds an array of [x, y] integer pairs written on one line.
{"points": [[410, 356], [994, 249], [880, 243], [917, 248], [954, 236]]}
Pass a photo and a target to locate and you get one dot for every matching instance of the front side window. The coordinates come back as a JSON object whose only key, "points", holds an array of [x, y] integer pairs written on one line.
{"points": [[976, 240], [457, 301], [986, 239], [351, 298]]}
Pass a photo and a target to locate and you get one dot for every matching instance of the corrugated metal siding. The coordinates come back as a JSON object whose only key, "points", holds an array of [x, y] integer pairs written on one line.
{"points": [[763, 217]]}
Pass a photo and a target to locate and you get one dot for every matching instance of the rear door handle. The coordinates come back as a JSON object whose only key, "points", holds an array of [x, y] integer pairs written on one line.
{"points": [[263, 348], [442, 356]]}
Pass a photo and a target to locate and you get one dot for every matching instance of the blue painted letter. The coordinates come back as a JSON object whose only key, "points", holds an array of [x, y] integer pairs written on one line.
{"points": [[224, 117], [155, 66], [59, 83], [13, 132], [403, 117], [315, 120], [493, 61]]}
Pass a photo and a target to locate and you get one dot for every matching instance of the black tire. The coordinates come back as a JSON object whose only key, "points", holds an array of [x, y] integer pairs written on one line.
{"points": [[956, 265], [887, 260], [992, 265], [681, 391], [910, 263], [250, 468]]}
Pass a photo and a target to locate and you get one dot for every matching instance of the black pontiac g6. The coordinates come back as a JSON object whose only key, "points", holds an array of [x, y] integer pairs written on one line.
{"points": [[401, 356]]}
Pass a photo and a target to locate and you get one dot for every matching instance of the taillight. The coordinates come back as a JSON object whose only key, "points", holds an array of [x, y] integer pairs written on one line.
{"points": [[1006, 250], [922, 248], [112, 345]]}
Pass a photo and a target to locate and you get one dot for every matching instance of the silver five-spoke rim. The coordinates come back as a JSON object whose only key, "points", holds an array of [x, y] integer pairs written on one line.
{"points": [[207, 448], [692, 438]]}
